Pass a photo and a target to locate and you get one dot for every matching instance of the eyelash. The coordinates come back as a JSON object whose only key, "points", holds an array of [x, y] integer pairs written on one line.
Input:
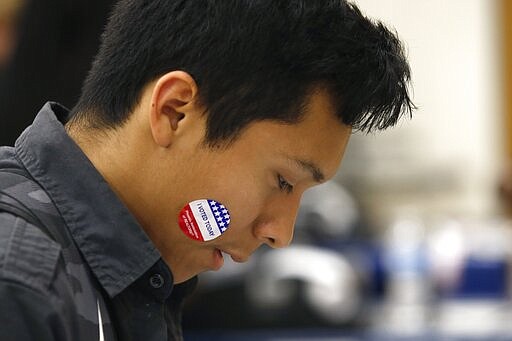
{"points": [[283, 184]]}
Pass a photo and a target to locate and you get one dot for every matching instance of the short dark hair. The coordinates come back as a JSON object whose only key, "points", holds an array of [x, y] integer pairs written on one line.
{"points": [[252, 60]]}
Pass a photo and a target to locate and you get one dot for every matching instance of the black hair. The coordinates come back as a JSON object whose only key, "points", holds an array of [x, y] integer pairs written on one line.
{"points": [[252, 60]]}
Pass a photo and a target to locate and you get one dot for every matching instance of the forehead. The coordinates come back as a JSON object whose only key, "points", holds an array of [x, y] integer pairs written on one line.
{"points": [[319, 138], [320, 135]]}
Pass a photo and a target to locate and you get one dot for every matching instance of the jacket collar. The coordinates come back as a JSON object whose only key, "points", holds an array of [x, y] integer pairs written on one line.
{"points": [[112, 242]]}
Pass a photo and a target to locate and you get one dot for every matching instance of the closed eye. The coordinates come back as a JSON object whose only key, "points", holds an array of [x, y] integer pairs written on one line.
{"points": [[283, 184]]}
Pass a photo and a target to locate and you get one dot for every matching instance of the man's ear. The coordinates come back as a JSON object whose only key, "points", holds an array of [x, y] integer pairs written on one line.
{"points": [[173, 97]]}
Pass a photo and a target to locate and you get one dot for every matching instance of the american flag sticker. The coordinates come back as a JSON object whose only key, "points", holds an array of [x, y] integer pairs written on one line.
{"points": [[204, 219]]}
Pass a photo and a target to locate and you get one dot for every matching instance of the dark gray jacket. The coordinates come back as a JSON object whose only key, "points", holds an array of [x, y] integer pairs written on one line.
{"points": [[83, 268]]}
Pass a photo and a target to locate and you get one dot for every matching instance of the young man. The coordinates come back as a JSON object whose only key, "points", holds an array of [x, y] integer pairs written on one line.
{"points": [[199, 127]]}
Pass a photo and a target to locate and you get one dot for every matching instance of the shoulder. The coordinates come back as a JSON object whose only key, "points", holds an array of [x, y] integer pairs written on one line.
{"points": [[27, 255]]}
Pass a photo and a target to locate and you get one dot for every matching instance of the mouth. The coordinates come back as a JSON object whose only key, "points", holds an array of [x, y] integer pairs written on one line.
{"points": [[239, 259], [218, 260], [235, 257]]}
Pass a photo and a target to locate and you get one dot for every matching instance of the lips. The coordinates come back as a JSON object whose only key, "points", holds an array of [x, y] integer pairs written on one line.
{"points": [[239, 259], [218, 259], [236, 257]]}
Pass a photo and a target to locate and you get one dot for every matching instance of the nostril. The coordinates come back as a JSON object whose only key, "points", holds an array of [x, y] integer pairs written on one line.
{"points": [[272, 241]]}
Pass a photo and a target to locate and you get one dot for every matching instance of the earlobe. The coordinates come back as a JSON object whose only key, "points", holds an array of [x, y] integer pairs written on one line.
{"points": [[172, 100]]}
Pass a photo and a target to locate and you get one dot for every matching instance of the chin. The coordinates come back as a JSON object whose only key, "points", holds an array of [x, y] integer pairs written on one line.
{"points": [[211, 260], [183, 278]]}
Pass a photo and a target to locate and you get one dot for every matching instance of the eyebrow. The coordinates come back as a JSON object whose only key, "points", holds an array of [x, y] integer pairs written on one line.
{"points": [[310, 167]]}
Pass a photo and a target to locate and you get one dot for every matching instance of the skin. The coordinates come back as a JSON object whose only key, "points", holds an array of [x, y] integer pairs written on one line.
{"points": [[157, 163]]}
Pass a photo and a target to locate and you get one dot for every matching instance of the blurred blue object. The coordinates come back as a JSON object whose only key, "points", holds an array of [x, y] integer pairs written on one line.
{"points": [[482, 278]]}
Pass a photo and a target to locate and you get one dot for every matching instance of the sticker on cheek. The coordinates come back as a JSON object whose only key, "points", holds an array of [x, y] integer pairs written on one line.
{"points": [[204, 219]]}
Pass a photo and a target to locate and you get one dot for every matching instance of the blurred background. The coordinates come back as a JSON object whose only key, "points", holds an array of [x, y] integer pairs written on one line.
{"points": [[412, 241], [46, 48]]}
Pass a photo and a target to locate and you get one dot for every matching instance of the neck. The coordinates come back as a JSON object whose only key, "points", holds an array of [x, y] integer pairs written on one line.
{"points": [[119, 156]]}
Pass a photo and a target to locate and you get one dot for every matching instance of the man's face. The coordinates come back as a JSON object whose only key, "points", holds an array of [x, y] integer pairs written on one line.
{"points": [[260, 178]]}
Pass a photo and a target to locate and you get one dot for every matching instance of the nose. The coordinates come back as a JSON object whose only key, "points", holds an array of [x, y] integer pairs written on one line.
{"points": [[275, 226]]}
